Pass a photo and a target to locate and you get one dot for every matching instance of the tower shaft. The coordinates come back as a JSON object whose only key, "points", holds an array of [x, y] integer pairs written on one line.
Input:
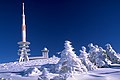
{"points": [[23, 26]]}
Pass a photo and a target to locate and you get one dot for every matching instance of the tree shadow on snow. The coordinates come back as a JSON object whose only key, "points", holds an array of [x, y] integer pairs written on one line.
{"points": [[110, 72], [95, 75], [17, 73], [115, 67], [50, 67]]}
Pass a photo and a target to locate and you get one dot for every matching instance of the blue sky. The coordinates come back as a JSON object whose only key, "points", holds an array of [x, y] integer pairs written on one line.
{"points": [[51, 22]]}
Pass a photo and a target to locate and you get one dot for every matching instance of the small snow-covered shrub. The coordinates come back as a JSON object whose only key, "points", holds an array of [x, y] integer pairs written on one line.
{"points": [[44, 75], [32, 72]]}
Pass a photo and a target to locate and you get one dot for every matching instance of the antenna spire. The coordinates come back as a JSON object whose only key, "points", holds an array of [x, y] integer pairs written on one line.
{"points": [[23, 15], [23, 6], [23, 24]]}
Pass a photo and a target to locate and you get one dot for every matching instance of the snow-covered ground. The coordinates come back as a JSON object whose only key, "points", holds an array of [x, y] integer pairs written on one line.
{"points": [[101, 74], [16, 71]]}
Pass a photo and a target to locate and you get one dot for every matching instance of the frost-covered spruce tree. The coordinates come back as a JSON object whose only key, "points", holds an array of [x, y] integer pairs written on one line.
{"points": [[69, 62], [44, 75], [97, 55], [93, 52], [85, 60], [112, 55], [101, 58]]}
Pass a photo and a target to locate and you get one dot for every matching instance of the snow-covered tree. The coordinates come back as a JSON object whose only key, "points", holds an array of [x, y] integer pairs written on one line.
{"points": [[69, 62], [112, 55], [93, 52], [98, 56], [101, 58], [44, 75], [85, 60]]}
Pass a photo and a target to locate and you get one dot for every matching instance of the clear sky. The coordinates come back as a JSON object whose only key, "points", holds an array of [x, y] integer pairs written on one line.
{"points": [[51, 22]]}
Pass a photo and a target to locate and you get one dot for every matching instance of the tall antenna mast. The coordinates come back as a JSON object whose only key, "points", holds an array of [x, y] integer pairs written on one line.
{"points": [[23, 24], [23, 44]]}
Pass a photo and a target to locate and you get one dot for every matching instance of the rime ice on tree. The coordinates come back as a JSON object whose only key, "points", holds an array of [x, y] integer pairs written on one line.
{"points": [[69, 62], [85, 60], [101, 58], [93, 52], [98, 56], [24, 44], [112, 55]]}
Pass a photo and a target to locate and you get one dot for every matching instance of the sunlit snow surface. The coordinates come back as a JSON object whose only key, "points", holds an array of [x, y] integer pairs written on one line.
{"points": [[15, 71]]}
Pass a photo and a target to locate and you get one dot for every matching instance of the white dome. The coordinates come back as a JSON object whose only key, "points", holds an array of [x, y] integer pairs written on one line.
{"points": [[45, 49]]}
